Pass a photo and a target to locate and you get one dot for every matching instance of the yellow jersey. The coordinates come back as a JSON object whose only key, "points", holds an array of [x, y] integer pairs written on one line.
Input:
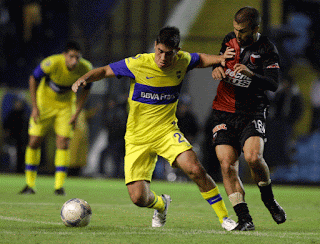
{"points": [[153, 94], [56, 80]]}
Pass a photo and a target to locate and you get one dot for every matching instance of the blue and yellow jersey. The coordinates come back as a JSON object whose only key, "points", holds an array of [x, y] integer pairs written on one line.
{"points": [[154, 94], [56, 80]]}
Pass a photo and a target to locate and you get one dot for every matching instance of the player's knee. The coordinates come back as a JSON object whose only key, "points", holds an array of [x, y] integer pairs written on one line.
{"points": [[196, 171], [34, 142], [227, 166], [252, 158]]}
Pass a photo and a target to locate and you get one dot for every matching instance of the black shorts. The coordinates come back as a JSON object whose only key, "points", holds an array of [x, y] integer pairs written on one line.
{"points": [[234, 129]]}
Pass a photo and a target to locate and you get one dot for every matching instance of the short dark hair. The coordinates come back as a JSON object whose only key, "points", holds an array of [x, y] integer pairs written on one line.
{"points": [[169, 36], [248, 14], [72, 45]]}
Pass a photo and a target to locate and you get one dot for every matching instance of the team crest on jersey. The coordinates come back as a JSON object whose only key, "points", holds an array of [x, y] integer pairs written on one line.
{"points": [[254, 58], [273, 66], [178, 73], [48, 63]]}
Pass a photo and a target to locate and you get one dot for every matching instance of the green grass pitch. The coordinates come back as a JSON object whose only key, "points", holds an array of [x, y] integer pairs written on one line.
{"points": [[36, 218]]}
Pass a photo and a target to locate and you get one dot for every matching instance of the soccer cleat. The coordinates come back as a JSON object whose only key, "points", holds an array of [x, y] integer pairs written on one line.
{"points": [[27, 191], [277, 212], [244, 226], [228, 224], [60, 192], [159, 219]]}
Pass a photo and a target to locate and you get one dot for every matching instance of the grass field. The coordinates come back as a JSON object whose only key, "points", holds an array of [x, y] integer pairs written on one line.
{"points": [[36, 218]]}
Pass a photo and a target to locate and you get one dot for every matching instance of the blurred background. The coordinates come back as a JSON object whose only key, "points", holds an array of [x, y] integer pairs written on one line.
{"points": [[110, 30]]}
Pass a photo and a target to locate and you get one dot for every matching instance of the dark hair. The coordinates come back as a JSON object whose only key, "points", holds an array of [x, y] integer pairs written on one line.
{"points": [[169, 36], [72, 45], [248, 14]]}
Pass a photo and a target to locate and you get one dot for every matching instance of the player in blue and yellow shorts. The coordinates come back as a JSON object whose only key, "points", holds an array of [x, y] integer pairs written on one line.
{"points": [[152, 130], [54, 104]]}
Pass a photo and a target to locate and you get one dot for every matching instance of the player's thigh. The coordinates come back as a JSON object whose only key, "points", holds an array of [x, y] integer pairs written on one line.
{"points": [[140, 162], [172, 145], [40, 128], [61, 125]]}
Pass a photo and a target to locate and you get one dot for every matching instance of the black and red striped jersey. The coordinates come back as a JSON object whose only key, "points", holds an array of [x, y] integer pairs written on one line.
{"points": [[240, 94]]}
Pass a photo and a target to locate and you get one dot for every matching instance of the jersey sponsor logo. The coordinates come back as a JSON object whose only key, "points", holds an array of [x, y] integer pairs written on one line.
{"points": [[273, 66], [149, 77], [237, 79], [156, 95], [254, 58]]}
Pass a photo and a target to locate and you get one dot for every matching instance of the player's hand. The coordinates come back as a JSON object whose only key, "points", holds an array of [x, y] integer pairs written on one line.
{"points": [[77, 84], [241, 68], [35, 114], [229, 53], [218, 73]]}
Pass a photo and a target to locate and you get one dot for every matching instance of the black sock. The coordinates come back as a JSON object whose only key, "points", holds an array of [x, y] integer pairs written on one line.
{"points": [[242, 212], [266, 193]]}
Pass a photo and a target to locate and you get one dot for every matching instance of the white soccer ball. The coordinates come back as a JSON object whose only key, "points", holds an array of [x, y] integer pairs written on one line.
{"points": [[76, 213]]}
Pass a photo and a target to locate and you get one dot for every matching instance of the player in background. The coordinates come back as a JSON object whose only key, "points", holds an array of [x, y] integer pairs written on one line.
{"points": [[152, 130], [240, 109], [54, 104]]}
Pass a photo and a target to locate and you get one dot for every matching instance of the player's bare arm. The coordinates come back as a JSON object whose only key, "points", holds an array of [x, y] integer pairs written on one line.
{"points": [[80, 104], [207, 60], [93, 75], [33, 85]]}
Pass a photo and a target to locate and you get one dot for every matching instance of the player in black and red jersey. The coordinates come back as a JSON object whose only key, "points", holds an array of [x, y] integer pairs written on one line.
{"points": [[240, 109]]}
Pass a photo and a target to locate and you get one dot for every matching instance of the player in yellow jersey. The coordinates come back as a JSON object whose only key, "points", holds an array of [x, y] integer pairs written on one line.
{"points": [[152, 130], [54, 104]]}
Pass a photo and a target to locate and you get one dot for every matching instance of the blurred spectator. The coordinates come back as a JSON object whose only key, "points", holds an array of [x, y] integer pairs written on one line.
{"points": [[187, 120], [15, 117], [315, 105], [286, 107], [8, 42], [114, 120]]}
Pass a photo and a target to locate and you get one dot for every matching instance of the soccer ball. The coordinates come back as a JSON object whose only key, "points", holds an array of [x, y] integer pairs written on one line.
{"points": [[76, 213]]}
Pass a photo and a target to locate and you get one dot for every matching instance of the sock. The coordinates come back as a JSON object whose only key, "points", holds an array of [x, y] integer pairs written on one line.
{"points": [[266, 191], [158, 203], [242, 212], [214, 198], [62, 161], [32, 159]]}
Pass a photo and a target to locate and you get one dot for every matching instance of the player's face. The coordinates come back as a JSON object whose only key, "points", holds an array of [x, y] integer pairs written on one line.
{"points": [[72, 59], [164, 56], [244, 33]]}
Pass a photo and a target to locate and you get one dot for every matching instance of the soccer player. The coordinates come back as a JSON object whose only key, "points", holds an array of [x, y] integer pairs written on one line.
{"points": [[54, 104], [152, 130], [240, 109]]}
